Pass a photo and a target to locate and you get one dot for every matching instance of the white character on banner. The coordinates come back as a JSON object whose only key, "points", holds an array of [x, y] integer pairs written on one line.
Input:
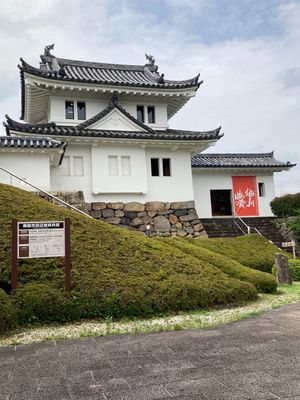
{"points": [[239, 199], [250, 196]]}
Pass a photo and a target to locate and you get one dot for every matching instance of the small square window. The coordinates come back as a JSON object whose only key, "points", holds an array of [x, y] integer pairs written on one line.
{"points": [[69, 109], [261, 189], [81, 110], [113, 165], [140, 113], [154, 166], [151, 115], [166, 164]]}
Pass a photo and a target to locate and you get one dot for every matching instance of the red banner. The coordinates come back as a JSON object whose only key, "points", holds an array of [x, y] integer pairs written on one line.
{"points": [[245, 196]]}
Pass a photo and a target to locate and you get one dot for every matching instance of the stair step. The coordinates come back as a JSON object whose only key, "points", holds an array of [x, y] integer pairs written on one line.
{"points": [[225, 227]]}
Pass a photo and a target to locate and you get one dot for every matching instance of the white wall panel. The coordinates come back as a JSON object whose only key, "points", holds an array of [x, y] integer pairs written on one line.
{"points": [[34, 167], [206, 180]]}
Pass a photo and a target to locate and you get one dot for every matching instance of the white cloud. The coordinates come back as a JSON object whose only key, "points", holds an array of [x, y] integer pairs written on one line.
{"points": [[251, 86]]}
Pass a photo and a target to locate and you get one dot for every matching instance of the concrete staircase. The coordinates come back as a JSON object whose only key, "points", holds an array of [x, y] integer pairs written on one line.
{"points": [[225, 227]]}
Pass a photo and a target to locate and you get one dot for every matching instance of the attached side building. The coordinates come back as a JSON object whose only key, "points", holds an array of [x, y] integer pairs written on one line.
{"points": [[228, 183]]}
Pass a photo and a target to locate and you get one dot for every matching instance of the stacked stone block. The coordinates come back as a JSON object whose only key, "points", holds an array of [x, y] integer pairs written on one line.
{"points": [[165, 219]]}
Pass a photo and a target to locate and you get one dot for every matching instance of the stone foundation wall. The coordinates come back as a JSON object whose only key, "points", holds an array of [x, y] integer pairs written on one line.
{"points": [[165, 219]]}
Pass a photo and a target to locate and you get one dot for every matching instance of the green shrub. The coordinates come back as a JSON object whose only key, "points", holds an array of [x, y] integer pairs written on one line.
{"points": [[253, 250], [8, 313], [294, 266], [285, 206], [38, 302], [294, 223], [115, 272], [263, 282]]}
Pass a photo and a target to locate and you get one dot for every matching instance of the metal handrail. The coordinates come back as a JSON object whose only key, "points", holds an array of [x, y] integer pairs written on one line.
{"points": [[256, 230], [47, 193], [243, 222], [247, 226]]}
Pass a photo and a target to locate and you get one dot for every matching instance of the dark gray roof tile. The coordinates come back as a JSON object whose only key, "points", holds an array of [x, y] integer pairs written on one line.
{"points": [[30, 142], [108, 74], [238, 160], [78, 131]]}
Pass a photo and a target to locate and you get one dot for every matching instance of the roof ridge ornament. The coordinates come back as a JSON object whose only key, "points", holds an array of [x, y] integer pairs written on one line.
{"points": [[151, 70], [50, 62]]}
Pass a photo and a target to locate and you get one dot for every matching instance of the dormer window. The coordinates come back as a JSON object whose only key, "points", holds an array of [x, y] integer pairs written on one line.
{"points": [[80, 110], [151, 115], [140, 113], [69, 109]]}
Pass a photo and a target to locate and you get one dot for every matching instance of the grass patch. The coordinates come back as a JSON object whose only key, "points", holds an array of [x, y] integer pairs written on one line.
{"points": [[209, 318], [253, 250], [263, 282], [116, 273]]}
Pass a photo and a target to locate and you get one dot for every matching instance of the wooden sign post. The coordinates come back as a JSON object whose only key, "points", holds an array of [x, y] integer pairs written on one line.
{"points": [[292, 244], [41, 239]]}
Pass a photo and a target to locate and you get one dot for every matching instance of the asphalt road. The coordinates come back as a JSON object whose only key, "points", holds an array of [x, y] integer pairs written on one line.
{"points": [[258, 358]]}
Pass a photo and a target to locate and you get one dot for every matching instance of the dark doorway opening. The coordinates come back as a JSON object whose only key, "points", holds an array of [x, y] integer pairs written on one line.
{"points": [[220, 202]]}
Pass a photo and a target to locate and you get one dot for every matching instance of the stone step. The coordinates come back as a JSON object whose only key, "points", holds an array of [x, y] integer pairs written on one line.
{"points": [[226, 227]]}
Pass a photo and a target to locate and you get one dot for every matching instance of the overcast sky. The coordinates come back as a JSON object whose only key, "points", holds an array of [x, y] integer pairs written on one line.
{"points": [[247, 52]]}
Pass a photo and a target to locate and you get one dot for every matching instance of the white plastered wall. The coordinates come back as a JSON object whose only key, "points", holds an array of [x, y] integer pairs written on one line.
{"points": [[105, 181], [62, 181], [98, 185], [96, 104], [33, 167], [205, 181], [178, 186]]}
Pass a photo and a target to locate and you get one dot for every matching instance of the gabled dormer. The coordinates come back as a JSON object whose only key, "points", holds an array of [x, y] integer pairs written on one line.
{"points": [[84, 88]]}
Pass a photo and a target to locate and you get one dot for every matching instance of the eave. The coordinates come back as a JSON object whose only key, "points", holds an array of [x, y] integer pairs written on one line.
{"points": [[36, 93], [193, 146], [239, 169]]}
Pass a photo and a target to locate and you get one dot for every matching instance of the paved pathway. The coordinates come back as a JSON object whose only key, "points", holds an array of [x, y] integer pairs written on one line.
{"points": [[258, 358]]}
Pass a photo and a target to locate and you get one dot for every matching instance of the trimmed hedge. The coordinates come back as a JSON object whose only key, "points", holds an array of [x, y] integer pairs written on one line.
{"points": [[286, 206], [115, 272], [253, 250], [142, 296], [263, 282], [38, 302], [8, 312]]}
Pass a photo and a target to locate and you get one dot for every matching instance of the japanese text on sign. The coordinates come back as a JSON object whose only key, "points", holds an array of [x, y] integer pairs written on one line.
{"points": [[245, 195], [41, 239]]}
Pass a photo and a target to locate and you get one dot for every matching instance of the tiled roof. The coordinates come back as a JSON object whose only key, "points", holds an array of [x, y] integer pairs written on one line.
{"points": [[52, 129], [14, 142], [64, 70], [30, 142], [228, 160], [108, 74]]}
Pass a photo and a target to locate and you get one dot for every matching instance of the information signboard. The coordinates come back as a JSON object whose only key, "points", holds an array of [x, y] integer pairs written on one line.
{"points": [[288, 244], [292, 244], [41, 239]]}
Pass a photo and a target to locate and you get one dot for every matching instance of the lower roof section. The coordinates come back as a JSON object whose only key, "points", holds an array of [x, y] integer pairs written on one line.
{"points": [[14, 142], [45, 144], [238, 160], [51, 129]]}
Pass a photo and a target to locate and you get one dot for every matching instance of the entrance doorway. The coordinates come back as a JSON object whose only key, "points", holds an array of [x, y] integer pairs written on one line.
{"points": [[220, 202]]}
